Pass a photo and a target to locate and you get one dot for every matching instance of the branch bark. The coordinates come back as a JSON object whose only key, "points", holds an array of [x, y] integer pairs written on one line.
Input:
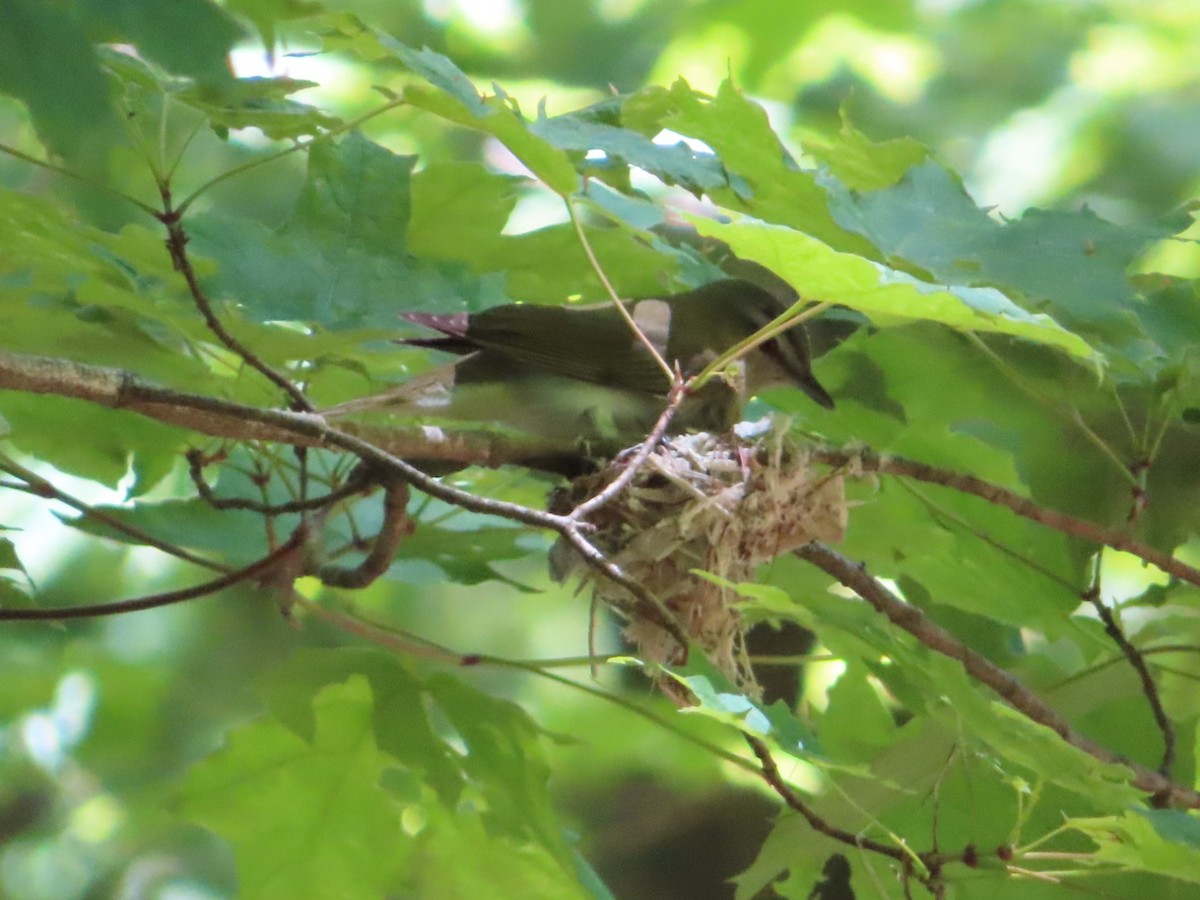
{"points": [[120, 389], [1010, 689], [869, 461]]}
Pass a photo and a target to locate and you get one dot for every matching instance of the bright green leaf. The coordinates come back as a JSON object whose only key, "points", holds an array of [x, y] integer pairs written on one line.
{"points": [[763, 179], [457, 100], [306, 819], [1166, 841], [886, 295], [862, 164]]}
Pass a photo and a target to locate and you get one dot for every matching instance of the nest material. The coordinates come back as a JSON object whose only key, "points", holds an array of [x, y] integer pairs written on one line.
{"points": [[702, 502]]}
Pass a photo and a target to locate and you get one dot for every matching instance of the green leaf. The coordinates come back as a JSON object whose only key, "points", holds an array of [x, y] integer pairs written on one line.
{"points": [[936, 685], [455, 98], [464, 557], [267, 15], [47, 62], [1022, 575], [261, 103], [50, 428], [401, 722], [717, 698], [504, 757], [8, 556], [493, 866], [856, 725], [763, 179], [862, 164], [12, 595], [1070, 264], [76, 291], [673, 164], [440, 71], [340, 260], [306, 819], [471, 748], [188, 37], [886, 295], [1031, 745], [458, 212], [1166, 841]]}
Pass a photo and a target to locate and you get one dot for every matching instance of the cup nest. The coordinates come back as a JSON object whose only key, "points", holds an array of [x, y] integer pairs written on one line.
{"points": [[707, 503]]}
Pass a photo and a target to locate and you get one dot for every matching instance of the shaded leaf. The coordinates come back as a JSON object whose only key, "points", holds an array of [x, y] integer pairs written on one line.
{"points": [[1069, 264], [47, 62], [340, 260]]}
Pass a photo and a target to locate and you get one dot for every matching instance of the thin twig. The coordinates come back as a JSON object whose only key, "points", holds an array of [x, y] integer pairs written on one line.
{"points": [[177, 247], [154, 601], [1116, 660], [648, 605], [287, 151], [648, 446], [356, 484], [1131, 653], [38, 486], [612, 293], [396, 526], [82, 179], [771, 775]]}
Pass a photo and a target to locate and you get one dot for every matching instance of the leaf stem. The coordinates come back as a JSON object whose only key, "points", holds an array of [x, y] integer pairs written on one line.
{"points": [[781, 323], [287, 151], [82, 179], [617, 302]]}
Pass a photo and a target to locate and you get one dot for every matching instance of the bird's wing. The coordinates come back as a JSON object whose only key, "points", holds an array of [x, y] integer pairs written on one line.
{"points": [[592, 344]]}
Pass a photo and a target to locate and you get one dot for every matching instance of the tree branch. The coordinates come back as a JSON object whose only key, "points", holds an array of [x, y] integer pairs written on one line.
{"points": [[1138, 662], [869, 461], [35, 484], [771, 775], [1010, 689], [396, 526], [153, 601], [177, 248], [121, 389]]}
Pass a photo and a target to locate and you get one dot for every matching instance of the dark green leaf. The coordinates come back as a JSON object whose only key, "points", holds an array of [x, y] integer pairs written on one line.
{"points": [[340, 260], [47, 62], [188, 37], [1069, 264]]}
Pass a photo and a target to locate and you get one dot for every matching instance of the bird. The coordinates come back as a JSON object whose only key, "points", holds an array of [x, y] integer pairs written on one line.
{"points": [[580, 373]]}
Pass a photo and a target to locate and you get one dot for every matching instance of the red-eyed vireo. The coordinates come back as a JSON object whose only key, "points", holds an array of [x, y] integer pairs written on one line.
{"points": [[563, 373]]}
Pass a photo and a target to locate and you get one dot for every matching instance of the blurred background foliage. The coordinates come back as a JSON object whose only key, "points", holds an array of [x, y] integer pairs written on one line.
{"points": [[1051, 104]]}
